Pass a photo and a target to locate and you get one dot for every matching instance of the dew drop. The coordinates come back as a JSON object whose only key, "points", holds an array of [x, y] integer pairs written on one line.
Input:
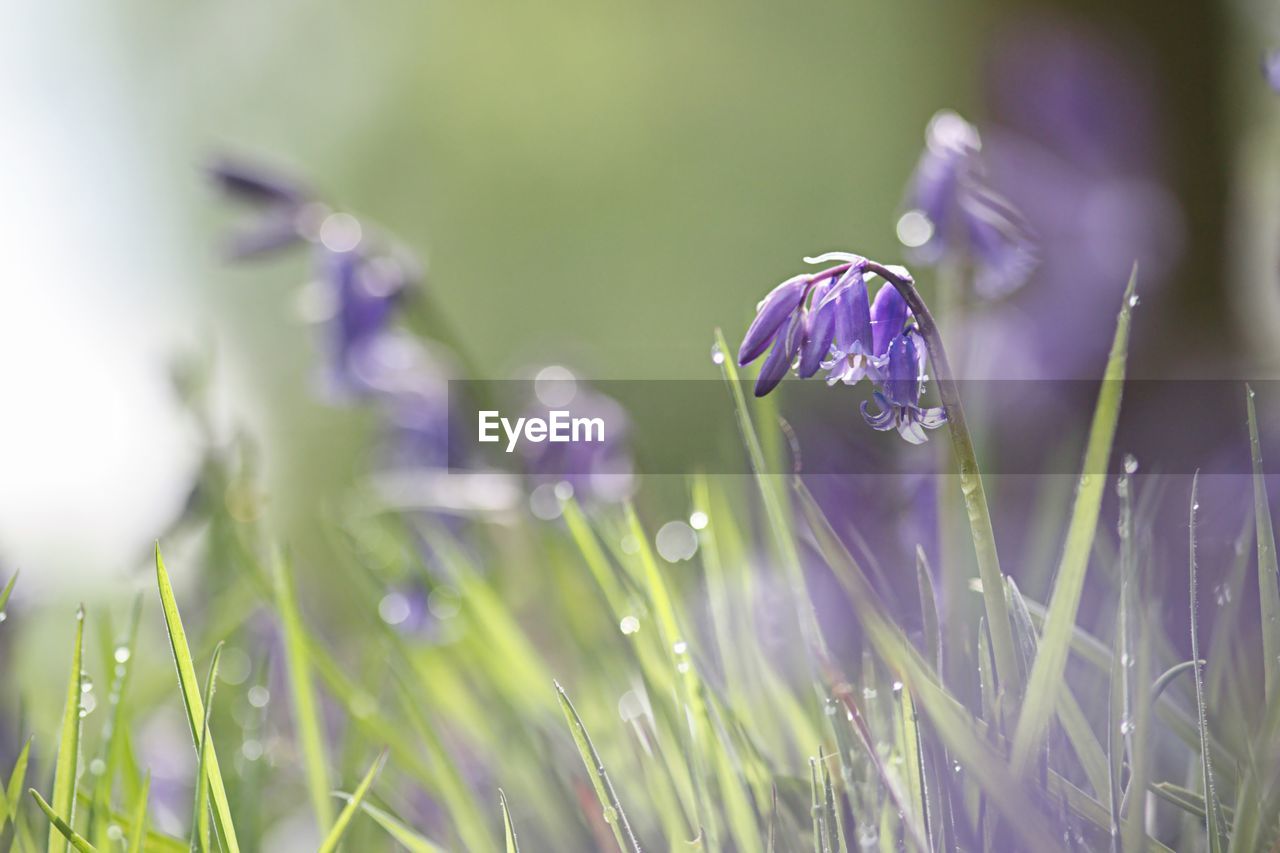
{"points": [[1126, 726], [115, 833], [1134, 300], [1130, 463], [698, 520], [86, 683], [717, 354], [610, 814], [629, 625], [897, 687], [680, 647], [259, 696], [122, 654], [869, 693], [676, 541], [97, 767]]}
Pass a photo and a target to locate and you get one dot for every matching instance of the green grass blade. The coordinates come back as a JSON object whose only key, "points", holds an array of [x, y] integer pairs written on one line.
{"points": [[398, 829], [194, 705], [302, 692], [774, 500], [508, 828], [1051, 660], [8, 591], [1133, 829], [70, 836], [138, 828], [1213, 817], [608, 797], [1166, 678], [200, 810], [1268, 593], [951, 721], [348, 812], [16, 781], [64, 774]]}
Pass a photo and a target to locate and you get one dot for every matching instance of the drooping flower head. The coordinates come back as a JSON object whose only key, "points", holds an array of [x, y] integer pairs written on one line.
{"points": [[826, 320], [952, 212]]}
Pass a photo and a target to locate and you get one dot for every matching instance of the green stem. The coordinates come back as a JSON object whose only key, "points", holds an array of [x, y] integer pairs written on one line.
{"points": [[975, 496]]}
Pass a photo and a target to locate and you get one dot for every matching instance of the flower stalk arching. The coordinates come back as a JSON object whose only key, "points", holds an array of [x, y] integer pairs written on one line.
{"points": [[975, 496]]}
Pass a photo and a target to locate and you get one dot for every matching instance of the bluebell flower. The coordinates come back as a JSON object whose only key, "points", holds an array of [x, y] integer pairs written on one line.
{"points": [[952, 211], [827, 320], [898, 395], [366, 293]]}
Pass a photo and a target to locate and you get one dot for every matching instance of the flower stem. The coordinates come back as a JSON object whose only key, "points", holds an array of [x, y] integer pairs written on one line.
{"points": [[975, 496]]}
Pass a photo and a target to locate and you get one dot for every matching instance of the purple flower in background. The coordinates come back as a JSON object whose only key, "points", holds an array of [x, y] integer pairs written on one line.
{"points": [[590, 470], [953, 213], [825, 319], [283, 207], [1271, 68], [899, 394], [360, 282]]}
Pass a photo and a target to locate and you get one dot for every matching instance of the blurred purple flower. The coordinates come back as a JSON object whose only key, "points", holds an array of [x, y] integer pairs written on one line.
{"points": [[1075, 143], [594, 471], [360, 283], [953, 213], [899, 394], [1271, 68]]}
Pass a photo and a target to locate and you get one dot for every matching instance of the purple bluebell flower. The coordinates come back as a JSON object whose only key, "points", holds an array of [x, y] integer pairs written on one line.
{"points": [[828, 321], [600, 471], [899, 393], [1271, 68], [953, 212], [366, 293]]}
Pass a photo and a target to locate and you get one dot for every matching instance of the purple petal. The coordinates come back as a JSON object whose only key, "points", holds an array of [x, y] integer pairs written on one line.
{"points": [[902, 381], [820, 329], [1002, 251], [254, 183], [888, 316], [1271, 67], [910, 430], [785, 343], [932, 417], [882, 420], [853, 315], [773, 311]]}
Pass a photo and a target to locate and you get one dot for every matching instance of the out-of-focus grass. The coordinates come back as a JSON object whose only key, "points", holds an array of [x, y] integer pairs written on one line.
{"points": [[690, 723]]}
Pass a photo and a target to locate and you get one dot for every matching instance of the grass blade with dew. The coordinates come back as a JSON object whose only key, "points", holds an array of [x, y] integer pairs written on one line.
{"points": [[1055, 642], [1213, 810], [138, 828], [200, 839], [1268, 593], [608, 797], [951, 720], [306, 715], [343, 822], [774, 500], [194, 705], [508, 828], [1137, 732], [66, 766], [397, 829], [71, 838]]}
